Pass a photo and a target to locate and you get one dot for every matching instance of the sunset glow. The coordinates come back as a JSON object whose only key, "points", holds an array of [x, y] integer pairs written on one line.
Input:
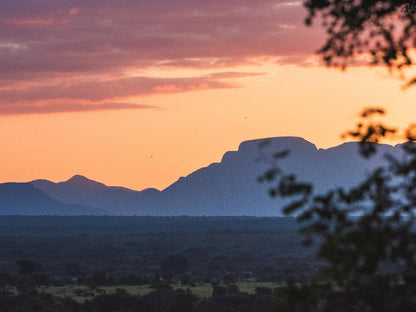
{"points": [[139, 93]]}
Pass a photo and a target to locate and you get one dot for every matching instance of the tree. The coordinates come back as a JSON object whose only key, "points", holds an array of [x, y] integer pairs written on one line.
{"points": [[230, 278], [5, 280], [378, 31], [39, 278], [100, 278], [366, 234], [27, 266], [263, 290], [218, 291], [26, 287]]}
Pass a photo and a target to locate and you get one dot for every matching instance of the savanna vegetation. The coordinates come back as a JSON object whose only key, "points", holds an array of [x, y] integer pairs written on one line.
{"points": [[364, 236], [118, 250], [136, 263]]}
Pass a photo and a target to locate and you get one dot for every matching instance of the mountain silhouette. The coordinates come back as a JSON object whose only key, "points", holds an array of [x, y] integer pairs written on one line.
{"points": [[231, 187], [227, 188], [26, 199], [83, 191]]}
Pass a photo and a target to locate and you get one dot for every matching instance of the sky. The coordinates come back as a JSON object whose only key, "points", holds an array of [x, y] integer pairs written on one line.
{"points": [[140, 93]]}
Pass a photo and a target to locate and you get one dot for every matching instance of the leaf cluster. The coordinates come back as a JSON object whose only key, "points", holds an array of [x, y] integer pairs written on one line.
{"points": [[380, 31]]}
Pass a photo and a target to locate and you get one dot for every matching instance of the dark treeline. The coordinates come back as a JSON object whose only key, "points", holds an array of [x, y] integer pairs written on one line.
{"points": [[138, 250], [52, 226], [160, 252]]}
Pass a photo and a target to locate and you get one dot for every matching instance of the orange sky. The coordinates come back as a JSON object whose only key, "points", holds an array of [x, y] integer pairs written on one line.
{"points": [[148, 107]]}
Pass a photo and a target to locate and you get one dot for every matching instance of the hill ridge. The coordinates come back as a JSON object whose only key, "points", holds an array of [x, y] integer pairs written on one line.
{"points": [[228, 187]]}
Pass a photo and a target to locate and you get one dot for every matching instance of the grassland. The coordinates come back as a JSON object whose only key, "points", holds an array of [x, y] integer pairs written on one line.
{"points": [[82, 293]]}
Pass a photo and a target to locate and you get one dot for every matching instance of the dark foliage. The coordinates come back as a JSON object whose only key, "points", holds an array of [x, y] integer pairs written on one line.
{"points": [[27, 266], [383, 31], [366, 234], [175, 264], [162, 300], [267, 249]]}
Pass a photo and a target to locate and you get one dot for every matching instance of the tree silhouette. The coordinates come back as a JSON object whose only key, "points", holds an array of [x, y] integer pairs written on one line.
{"points": [[27, 266], [376, 31], [366, 234]]}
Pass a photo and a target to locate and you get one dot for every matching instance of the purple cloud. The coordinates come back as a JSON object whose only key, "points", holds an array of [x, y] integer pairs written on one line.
{"points": [[92, 90], [105, 35], [50, 44]]}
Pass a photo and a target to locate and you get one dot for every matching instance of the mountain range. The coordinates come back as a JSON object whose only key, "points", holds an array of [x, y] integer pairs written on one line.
{"points": [[227, 188]]}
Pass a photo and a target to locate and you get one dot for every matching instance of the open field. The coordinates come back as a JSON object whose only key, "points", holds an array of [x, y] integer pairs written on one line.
{"points": [[81, 293]]}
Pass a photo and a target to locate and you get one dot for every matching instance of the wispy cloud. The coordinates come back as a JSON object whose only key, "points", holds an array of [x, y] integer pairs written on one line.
{"points": [[103, 90], [30, 21], [228, 75], [20, 109]]}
